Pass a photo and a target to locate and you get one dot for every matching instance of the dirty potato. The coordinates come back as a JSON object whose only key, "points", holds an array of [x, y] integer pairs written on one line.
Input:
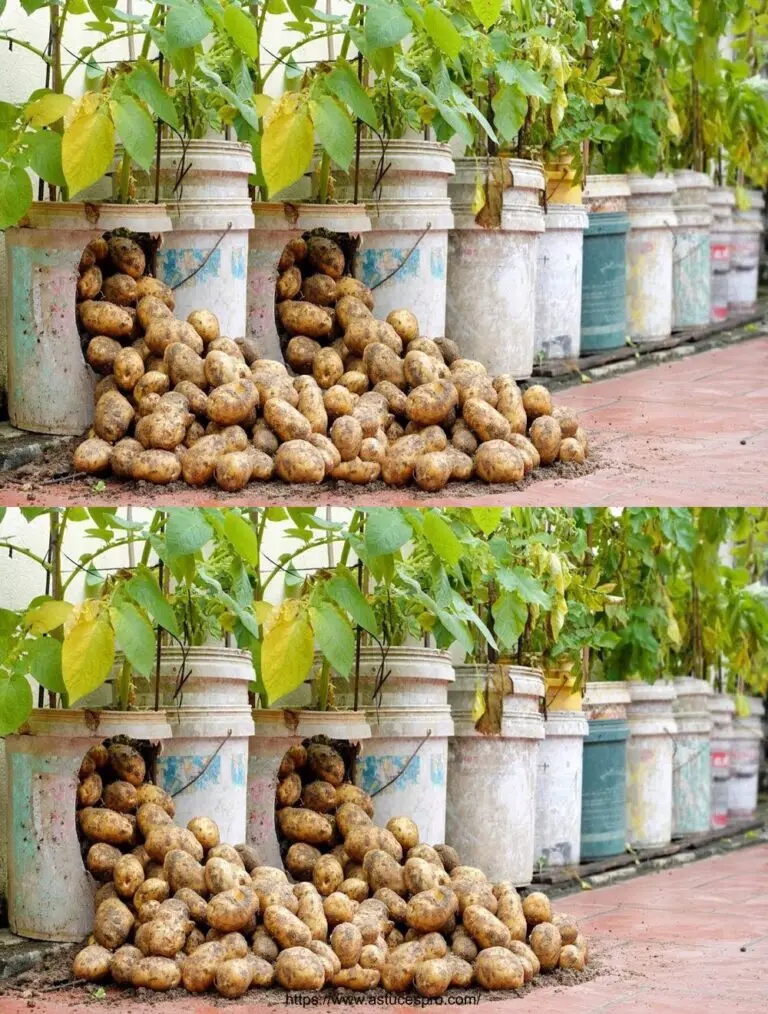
{"points": [[432, 471], [546, 437], [92, 963], [127, 256], [299, 318], [498, 461], [498, 968]]}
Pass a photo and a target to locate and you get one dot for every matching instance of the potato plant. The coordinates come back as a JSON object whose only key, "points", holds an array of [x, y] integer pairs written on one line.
{"points": [[360, 906]]}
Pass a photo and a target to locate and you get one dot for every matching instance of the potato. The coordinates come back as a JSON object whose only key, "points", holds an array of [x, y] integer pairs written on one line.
{"points": [[112, 923], [498, 968], [150, 814], [286, 421], [298, 461], [319, 796], [288, 790], [432, 471], [233, 471], [205, 830], [220, 875], [568, 421], [299, 968], [546, 437], [123, 962], [127, 256], [184, 364], [339, 401], [304, 825], [164, 837], [128, 876], [288, 284], [159, 467], [92, 456], [484, 928], [304, 319], [405, 323], [423, 876], [485, 421], [581, 436], [231, 403], [361, 330], [300, 860], [381, 870], [430, 910], [221, 368], [530, 456], [107, 383], [429, 404], [347, 436], [231, 910], [498, 461], [347, 943], [571, 957], [569, 930], [326, 763], [89, 790], [264, 440], [373, 956], [101, 353], [312, 407], [199, 969], [113, 416], [420, 368], [286, 928], [357, 978], [300, 353], [263, 946], [478, 387], [339, 908], [396, 906], [537, 908], [381, 363], [571, 450], [311, 912], [184, 871], [432, 978], [102, 893], [537, 401], [92, 963], [103, 318], [326, 256], [101, 860], [545, 942], [319, 289], [105, 826], [463, 946], [156, 973], [327, 368], [354, 887], [148, 286], [350, 308], [151, 889], [475, 893], [266, 877], [510, 912], [361, 839]]}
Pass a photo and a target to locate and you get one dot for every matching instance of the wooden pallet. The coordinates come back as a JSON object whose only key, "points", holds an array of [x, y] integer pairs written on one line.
{"points": [[568, 874], [563, 367]]}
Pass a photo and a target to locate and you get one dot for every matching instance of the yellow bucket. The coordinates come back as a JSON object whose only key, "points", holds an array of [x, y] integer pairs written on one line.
{"points": [[562, 693], [561, 188]]}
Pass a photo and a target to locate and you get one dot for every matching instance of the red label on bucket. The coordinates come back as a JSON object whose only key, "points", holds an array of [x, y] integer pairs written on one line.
{"points": [[720, 758], [719, 251]]}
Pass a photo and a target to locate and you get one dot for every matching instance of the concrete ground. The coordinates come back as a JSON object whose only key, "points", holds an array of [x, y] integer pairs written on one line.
{"points": [[693, 430], [689, 940]]}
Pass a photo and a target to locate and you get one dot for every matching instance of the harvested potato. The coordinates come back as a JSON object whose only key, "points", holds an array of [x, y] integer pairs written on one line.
{"points": [[233, 471], [498, 968], [405, 323], [288, 284], [205, 323], [286, 421], [347, 943], [327, 368], [571, 957], [106, 826], [498, 461], [150, 814], [346, 434], [546, 437], [484, 928], [354, 887], [524, 952], [568, 421], [159, 467], [148, 286], [112, 923], [123, 963], [326, 256], [319, 289], [571, 450], [319, 796], [101, 353], [286, 928], [433, 977], [510, 912], [104, 318], [300, 353], [537, 908], [339, 907], [184, 364], [304, 826], [326, 763], [101, 859], [349, 308], [288, 790], [127, 256], [128, 876], [184, 871], [102, 893], [311, 912], [546, 943], [92, 963], [299, 968], [430, 910], [298, 461], [89, 790], [581, 436], [537, 401], [419, 368], [112, 417], [432, 471], [304, 319], [164, 837], [205, 830], [361, 839], [232, 910], [300, 860], [485, 421], [381, 363], [429, 404], [569, 930], [381, 870]]}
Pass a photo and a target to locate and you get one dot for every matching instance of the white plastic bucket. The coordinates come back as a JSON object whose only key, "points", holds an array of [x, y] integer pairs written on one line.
{"points": [[275, 731], [274, 225], [691, 269], [491, 301], [746, 234], [206, 255], [746, 742], [650, 246], [650, 753], [409, 734], [557, 840], [692, 770], [410, 214], [50, 892], [50, 385], [606, 193], [722, 202], [606, 699], [558, 282], [492, 779], [205, 764], [721, 708]]}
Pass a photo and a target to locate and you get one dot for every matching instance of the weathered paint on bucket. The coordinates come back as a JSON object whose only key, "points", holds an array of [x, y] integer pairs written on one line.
{"points": [[650, 246], [50, 385], [276, 730], [410, 729], [274, 225], [604, 282], [491, 299], [606, 699], [746, 233], [205, 184], [691, 269], [691, 771], [404, 186], [205, 764], [650, 752], [746, 742], [721, 708], [558, 282], [557, 840], [603, 811], [722, 202], [50, 892], [492, 779]]}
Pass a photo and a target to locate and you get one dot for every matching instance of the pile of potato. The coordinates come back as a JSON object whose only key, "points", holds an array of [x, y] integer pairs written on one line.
{"points": [[370, 906], [369, 399]]}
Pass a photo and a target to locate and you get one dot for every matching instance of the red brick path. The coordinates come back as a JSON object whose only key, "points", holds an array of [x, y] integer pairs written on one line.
{"points": [[692, 940]]}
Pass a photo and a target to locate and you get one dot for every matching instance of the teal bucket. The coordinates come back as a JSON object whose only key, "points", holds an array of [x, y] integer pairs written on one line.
{"points": [[603, 789], [603, 286]]}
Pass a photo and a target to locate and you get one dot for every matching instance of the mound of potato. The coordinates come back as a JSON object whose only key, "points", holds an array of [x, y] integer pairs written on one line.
{"points": [[357, 399], [356, 905]]}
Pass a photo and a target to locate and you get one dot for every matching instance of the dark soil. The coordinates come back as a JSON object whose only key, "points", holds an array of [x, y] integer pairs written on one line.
{"points": [[53, 979], [52, 476]]}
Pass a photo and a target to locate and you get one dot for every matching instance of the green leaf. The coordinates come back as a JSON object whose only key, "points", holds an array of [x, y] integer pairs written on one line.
{"points": [[47, 109], [186, 25], [517, 579], [487, 11], [287, 652], [510, 107], [88, 147], [287, 144], [44, 663], [242, 31], [509, 616], [487, 519], [145, 84], [45, 157], [136, 129], [135, 636], [15, 195], [518, 72], [385, 26], [15, 702], [47, 616], [440, 536], [385, 531], [342, 82], [335, 129], [242, 537], [187, 531], [144, 589], [342, 588], [334, 636], [441, 30], [88, 652]]}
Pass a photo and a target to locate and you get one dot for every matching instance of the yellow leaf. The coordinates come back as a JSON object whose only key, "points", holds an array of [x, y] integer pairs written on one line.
{"points": [[47, 109], [47, 616], [288, 142], [87, 147], [286, 651], [478, 704], [263, 104], [88, 652], [478, 201], [264, 611]]}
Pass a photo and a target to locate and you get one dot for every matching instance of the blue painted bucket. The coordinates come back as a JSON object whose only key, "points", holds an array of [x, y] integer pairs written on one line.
{"points": [[603, 789], [604, 280]]}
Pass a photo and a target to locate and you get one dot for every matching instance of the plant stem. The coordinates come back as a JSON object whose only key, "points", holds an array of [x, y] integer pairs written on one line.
{"points": [[87, 560], [354, 524], [292, 49], [85, 53], [125, 177], [323, 685], [25, 552], [124, 685], [5, 37], [325, 173], [354, 17]]}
